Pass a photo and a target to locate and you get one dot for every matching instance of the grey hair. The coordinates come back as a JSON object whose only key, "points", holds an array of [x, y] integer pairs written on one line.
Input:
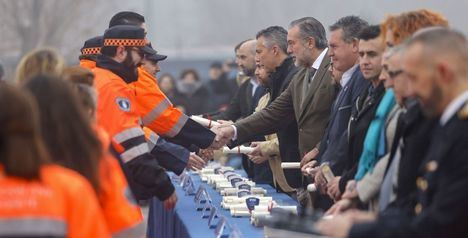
{"points": [[311, 27], [351, 26], [274, 35]]}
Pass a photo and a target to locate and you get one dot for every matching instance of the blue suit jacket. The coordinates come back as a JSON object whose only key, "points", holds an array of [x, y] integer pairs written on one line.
{"points": [[333, 146]]}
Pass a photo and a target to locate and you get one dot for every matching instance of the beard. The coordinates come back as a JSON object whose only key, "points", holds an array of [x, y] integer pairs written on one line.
{"points": [[429, 106], [248, 71]]}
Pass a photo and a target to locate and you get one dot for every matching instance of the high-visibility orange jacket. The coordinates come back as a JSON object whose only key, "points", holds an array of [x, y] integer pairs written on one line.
{"points": [[158, 114], [118, 116], [61, 204], [121, 212], [89, 64]]}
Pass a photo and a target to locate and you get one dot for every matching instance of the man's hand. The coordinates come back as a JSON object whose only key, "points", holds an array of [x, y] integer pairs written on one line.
{"points": [[320, 182], [351, 191], [310, 169], [333, 189], [206, 154], [309, 156], [257, 151], [224, 133], [170, 202], [195, 162], [339, 207], [338, 226]]}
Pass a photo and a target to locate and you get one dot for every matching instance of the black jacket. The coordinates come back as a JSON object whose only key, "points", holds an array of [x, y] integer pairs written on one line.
{"points": [[441, 209], [288, 136], [357, 129], [415, 130], [241, 105]]}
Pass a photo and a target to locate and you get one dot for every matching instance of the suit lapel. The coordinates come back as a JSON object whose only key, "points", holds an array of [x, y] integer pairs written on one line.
{"points": [[316, 82]]}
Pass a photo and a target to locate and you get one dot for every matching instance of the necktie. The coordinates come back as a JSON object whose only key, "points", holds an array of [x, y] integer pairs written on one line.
{"points": [[307, 82]]}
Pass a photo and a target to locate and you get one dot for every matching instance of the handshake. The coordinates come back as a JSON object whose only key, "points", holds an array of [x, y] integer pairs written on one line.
{"points": [[224, 133]]}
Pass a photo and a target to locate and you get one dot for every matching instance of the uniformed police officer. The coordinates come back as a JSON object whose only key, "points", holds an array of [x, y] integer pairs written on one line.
{"points": [[436, 64]]}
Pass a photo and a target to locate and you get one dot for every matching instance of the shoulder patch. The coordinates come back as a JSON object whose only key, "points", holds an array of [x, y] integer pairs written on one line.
{"points": [[124, 104], [463, 112]]}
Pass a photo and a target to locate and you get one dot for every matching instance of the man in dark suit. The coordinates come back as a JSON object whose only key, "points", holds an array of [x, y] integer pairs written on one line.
{"points": [[307, 99], [436, 63], [243, 104], [371, 48], [271, 53], [344, 51]]}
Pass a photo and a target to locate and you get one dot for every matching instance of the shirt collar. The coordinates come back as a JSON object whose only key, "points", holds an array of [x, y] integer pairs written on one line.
{"points": [[318, 61], [347, 75], [453, 107]]}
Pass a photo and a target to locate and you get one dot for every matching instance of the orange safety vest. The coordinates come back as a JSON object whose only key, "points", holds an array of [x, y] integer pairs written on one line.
{"points": [[61, 204], [117, 112], [157, 112], [88, 64], [123, 215]]}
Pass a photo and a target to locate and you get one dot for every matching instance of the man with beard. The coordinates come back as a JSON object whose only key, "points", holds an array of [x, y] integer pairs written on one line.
{"points": [[435, 63], [307, 100], [243, 104], [122, 51]]}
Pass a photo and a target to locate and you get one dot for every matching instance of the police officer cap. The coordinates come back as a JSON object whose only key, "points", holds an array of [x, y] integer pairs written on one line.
{"points": [[126, 35]]}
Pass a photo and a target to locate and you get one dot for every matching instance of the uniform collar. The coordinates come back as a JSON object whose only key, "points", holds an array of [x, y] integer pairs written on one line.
{"points": [[129, 75], [453, 107]]}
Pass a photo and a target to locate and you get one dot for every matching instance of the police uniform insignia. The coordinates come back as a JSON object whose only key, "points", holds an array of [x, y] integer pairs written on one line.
{"points": [[124, 104], [463, 112]]}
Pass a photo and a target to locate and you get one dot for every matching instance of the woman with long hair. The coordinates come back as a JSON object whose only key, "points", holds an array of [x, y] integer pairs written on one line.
{"points": [[37, 198]]}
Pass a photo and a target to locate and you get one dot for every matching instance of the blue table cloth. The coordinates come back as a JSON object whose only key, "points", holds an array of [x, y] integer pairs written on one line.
{"points": [[186, 221]]}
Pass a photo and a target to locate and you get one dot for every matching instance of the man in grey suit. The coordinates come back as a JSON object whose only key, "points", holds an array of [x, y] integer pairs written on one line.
{"points": [[308, 99]]}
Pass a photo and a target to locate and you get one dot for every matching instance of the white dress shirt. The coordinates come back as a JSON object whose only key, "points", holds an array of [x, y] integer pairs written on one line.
{"points": [[453, 107]]}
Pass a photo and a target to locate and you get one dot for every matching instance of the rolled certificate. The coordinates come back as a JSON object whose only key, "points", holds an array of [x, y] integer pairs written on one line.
{"points": [[327, 172], [238, 150], [291, 165], [204, 122], [311, 188]]}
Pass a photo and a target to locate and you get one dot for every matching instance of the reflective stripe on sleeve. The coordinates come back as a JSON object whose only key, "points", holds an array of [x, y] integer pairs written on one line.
{"points": [[134, 152], [128, 134], [178, 126], [32, 226], [157, 110]]}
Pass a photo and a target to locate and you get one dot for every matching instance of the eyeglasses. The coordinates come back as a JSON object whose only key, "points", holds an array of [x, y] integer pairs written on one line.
{"points": [[395, 73]]}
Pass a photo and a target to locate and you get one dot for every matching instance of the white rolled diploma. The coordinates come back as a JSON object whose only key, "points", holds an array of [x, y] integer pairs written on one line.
{"points": [[290, 165], [311, 187], [243, 207], [204, 122], [233, 191], [238, 150], [240, 206], [237, 200]]}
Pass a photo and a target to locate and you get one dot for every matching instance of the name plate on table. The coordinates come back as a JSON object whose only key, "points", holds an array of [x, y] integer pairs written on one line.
{"points": [[188, 186], [201, 193], [208, 207], [220, 227], [182, 178], [213, 215]]}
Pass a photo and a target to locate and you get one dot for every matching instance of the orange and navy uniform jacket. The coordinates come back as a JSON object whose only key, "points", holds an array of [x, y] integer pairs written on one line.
{"points": [[118, 116], [61, 203], [158, 114], [120, 209], [88, 64]]}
